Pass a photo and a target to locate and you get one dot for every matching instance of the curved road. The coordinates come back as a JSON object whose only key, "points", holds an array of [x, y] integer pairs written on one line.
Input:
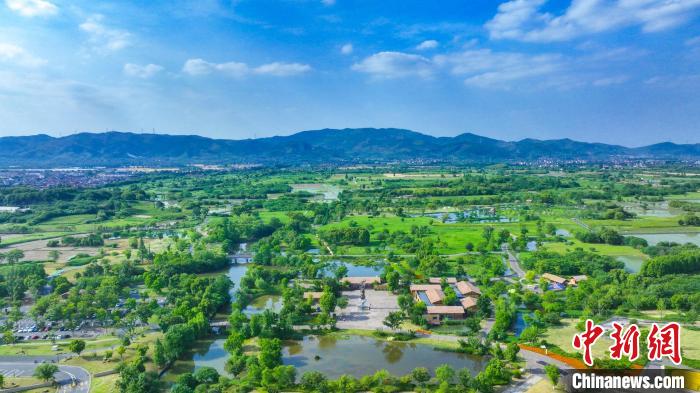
{"points": [[71, 379]]}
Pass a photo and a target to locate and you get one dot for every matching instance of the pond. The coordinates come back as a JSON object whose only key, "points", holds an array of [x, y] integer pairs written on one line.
{"points": [[329, 192], [682, 238], [562, 232], [235, 273], [353, 355], [519, 325], [475, 215], [354, 270], [262, 303], [633, 263], [652, 209]]}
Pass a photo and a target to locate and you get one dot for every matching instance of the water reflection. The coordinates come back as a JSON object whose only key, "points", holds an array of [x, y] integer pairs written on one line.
{"points": [[353, 355], [681, 238]]}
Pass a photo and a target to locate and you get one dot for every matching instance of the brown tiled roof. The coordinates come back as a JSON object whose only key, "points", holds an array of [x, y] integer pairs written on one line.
{"points": [[435, 295], [438, 280], [468, 302], [554, 278], [453, 310], [466, 288], [424, 287]]}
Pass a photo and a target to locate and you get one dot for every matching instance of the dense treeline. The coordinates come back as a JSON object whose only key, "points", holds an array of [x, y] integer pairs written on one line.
{"points": [[573, 263], [686, 262], [346, 236]]}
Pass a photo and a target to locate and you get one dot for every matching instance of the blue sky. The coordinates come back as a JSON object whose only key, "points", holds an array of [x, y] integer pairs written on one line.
{"points": [[616, 71]]}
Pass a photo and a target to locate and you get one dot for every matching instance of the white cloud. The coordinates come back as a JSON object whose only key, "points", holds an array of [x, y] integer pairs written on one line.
{"points": [[13, 54], [201, 67], [693, 41], [32, 8], [523, 20], [395, 65], [609, 81], [674, 81], [142, 71], [198, 67], [346, 49], [282, 69], [104, 38], [485, 68], [428, 44]]}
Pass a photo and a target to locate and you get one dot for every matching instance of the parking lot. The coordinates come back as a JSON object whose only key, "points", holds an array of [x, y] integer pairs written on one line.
{"points": [[380, 304]]}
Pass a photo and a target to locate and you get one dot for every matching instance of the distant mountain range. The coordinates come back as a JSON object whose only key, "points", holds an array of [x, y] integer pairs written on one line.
{"points": [[364, 145]]}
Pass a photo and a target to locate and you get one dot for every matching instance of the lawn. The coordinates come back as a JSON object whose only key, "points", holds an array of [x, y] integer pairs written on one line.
{"points": [[23, 381], [643, 225], [542, 386], [106, 384], [37, 348], [603, 249], [10, 240], [563, 335], [449, 238]]}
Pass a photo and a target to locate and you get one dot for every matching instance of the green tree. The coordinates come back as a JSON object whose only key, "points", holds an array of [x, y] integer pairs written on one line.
{"points": [[553, 373], [76, 346], [13, 256], [445, 373], [133, 378], [314, 381], [270, 355], [46, 371], [420, 375], [393, 320], [327, 301], [120, 351], [206, 375], [159, 356], [465, 378]]}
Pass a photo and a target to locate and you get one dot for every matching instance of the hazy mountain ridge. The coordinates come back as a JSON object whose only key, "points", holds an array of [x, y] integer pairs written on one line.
{"points": [[321, 146]]}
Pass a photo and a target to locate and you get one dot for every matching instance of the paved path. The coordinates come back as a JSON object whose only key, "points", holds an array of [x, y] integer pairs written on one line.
{"points": [[71, 379], [513, 261], [523, 386], [581, 224]]}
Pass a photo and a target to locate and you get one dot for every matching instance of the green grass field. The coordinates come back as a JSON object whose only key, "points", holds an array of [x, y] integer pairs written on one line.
{"points": [[603, 249]]}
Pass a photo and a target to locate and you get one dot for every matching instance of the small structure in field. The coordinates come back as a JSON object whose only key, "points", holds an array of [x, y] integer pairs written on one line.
{"points": [[360, 282]]}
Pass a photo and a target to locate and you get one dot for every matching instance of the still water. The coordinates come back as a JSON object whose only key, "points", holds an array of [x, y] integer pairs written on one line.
{"points": [[633, 264], [353, 355], [682, 238], [354, 270]]}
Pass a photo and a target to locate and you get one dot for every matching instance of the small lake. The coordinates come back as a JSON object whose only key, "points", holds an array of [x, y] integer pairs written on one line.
{"points": [[262, 303], [519, 325], [681, 238], [358, 356], [235, 273], [480, 216], [354, 355], [329, 192], [633, 264], [354, 270], [562, 232], [652, 209]]}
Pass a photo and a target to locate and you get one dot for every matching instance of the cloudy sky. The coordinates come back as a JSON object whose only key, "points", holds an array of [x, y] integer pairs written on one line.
{"points": [[618, 71]]}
